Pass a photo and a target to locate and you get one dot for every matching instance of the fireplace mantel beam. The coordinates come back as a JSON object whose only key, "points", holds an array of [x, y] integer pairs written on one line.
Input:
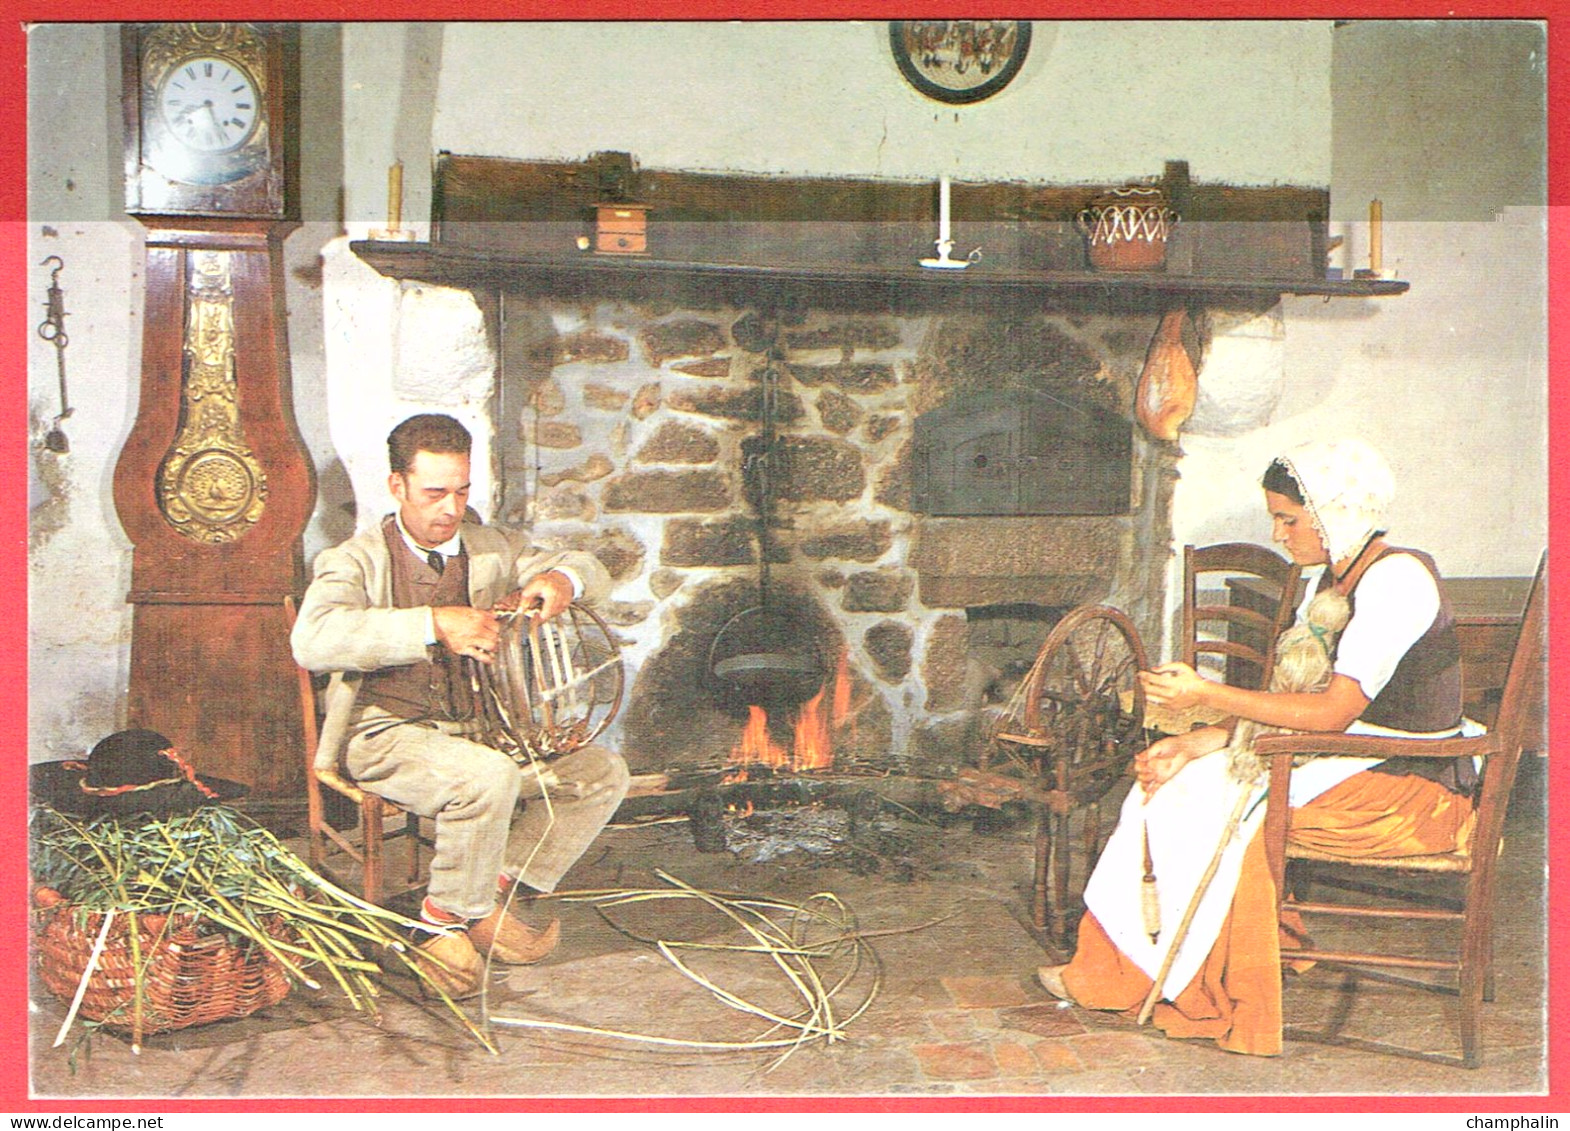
{"points": [[894, 289]]}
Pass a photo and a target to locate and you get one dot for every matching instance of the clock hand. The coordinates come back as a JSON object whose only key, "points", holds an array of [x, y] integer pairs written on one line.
{"points": [[218, 127]]}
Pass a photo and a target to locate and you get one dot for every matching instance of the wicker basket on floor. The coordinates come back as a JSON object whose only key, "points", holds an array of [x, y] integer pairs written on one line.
{"points": [[192, 972]]}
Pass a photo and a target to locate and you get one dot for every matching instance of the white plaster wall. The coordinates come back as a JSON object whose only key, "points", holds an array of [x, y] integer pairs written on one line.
{"points": [[1442, 121], [398, 349], [1455, 400], [79, 564], [1242, 102], [78, 558]]}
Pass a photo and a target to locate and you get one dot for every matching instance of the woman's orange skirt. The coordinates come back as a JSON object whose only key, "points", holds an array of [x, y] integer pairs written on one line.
{"points": [[1235, 999]]}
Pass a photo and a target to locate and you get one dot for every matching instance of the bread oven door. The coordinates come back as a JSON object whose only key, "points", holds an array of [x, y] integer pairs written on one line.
{"points": [[1016, 452]]}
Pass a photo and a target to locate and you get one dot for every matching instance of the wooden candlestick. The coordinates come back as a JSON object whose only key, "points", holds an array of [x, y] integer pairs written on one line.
{"points": [[394, 229], [394, 196]]}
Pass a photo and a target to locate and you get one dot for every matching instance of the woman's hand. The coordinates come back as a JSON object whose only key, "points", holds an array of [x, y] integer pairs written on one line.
{"points": [[1175, 686], [1156, 765]]}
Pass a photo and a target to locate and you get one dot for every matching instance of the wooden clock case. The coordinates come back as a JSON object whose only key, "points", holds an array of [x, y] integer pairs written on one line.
{"points": [[214, 485]]}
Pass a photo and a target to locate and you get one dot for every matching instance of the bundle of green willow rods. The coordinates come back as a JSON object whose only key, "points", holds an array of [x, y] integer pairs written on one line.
{"points": [[219, 867]]}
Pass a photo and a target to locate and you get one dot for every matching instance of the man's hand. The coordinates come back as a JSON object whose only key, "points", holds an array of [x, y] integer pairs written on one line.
{"points": [[1156, 765], [545, 596], [467, 632]]}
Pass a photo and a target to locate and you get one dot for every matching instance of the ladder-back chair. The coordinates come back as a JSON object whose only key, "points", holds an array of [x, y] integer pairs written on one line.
{"points": [[1242, 632], [326, 844], [1474, 867]]}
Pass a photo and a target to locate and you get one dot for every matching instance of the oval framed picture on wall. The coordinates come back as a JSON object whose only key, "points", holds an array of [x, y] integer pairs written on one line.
{"points": [[959, 61]]}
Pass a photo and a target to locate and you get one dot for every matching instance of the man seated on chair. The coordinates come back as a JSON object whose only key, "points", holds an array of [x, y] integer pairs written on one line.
{"points": [[391, 613]]}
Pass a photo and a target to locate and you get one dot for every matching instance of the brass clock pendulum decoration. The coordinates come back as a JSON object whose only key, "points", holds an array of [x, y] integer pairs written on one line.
{"points": [[211, 487], [214, 485]]}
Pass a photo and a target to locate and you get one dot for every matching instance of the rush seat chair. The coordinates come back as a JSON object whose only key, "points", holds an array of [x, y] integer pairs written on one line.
{"points": [[327, 845], [1402, 889]]}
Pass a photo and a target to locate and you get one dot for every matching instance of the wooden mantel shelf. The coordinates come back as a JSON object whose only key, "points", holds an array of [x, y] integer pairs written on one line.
{"points": [[588, 275]]}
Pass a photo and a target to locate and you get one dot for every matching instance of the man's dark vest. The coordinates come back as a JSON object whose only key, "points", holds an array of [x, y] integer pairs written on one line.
{"points": [[1424, 692], [437, 687]]}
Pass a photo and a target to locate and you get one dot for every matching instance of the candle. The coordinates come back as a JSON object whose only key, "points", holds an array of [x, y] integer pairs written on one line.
{"points": [[394, 195], [1376, 222], [943, 209]]}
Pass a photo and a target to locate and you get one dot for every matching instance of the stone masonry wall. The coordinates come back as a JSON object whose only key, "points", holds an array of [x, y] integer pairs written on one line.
{"points": [[623, 434]]}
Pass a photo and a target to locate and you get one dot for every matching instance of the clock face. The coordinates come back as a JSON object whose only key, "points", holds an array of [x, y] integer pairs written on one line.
{"points": [[209, 104], [210, 114]]}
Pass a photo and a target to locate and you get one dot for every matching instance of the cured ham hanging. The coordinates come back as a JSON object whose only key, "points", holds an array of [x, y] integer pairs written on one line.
{"points": [[1168, 385]]}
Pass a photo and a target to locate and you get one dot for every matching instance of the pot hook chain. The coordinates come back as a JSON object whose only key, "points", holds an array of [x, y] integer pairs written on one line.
{"points": [[52, 330], [764, 335]]}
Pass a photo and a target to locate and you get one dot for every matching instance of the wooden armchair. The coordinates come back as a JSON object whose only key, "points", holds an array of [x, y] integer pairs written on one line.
{"points": [[1519, 727]]}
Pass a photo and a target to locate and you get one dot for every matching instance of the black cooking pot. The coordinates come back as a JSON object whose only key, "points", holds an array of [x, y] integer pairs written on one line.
{"points": [[761, 656]]}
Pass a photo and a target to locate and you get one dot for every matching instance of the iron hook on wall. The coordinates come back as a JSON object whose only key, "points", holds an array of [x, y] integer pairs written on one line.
{"points": [[52, 330]]}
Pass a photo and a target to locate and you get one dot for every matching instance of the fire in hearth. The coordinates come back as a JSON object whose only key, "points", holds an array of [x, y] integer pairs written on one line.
{"points": [[812, 743]]}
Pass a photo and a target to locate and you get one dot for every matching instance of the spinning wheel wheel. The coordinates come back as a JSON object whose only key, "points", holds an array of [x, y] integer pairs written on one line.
{"points": [[555, 686], [1071, 729]]}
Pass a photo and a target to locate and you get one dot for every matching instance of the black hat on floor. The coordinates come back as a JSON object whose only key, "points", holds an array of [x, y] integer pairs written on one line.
{"points": [[131, 771]]}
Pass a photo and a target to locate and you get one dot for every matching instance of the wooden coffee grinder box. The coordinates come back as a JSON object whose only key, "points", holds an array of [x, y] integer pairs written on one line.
{"points": [[621, 229]]}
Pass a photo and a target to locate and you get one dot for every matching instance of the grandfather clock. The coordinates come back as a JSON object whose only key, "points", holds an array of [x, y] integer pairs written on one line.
{"points": [[214, 485]]}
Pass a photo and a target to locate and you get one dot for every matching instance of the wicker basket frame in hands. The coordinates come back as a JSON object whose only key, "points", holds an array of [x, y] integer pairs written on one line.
{"points": [[555, 686]]}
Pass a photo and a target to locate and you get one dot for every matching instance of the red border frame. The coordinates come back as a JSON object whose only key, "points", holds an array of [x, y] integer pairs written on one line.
{"points": [[13, 571]]}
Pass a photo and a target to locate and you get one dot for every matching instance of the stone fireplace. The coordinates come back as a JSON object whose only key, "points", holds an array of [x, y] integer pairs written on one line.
{"points": [[625, 430], [619, 408]]}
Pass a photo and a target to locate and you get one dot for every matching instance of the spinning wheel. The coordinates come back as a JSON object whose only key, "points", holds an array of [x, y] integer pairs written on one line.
{"points": [[555, 686], [1071, 729]]}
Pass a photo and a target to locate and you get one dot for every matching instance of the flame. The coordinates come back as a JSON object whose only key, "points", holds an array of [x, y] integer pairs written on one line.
{"points": [[842, 689], [756, 745], [812, 746]]}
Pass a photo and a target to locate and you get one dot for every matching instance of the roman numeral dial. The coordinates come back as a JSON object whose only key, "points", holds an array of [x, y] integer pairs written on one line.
{"points": [[209, 104]]}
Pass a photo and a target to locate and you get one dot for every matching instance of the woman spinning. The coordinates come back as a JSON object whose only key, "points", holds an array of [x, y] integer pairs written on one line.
{"points": [[1396, 671]]}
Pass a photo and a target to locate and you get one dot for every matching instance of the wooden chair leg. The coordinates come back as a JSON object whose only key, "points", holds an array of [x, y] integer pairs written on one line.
{"points": [[1487, 948], [411, 829], [1471, 1005], [1476, 979], [1092, 832], [315, 849], [371, 828]]}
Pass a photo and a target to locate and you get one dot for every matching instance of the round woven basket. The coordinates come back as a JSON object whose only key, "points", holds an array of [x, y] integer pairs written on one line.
{"points": [[192, 973]]}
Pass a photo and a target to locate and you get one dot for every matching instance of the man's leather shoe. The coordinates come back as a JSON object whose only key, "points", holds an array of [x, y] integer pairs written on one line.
{"points": [[507, 940], [450, 961]]}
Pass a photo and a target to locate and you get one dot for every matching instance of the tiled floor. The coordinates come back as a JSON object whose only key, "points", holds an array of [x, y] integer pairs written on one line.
{"points": [[955, 1010]]}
